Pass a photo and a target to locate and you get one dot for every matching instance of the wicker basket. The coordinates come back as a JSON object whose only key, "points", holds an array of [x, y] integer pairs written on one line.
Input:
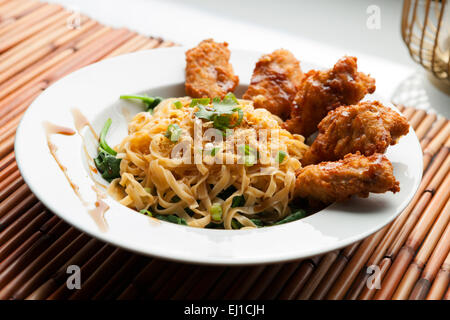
{"points": [[426, 32]]}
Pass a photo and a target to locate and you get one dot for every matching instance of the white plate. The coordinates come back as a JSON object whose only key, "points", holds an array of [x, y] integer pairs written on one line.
{"points": [[95, 91]]}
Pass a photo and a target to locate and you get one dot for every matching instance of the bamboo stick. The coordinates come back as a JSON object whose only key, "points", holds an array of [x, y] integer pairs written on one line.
{"points": [[143, 279], [431, 270], [298, 279], [8, 6], [443, 137], [441, 282], [415, 269], [335, 270], [9, 169], [10, 184], [6, 161], [355, 264], [79, 240], [63, 292], [415, 238], [274, 288], [13, 199], [317, 276], [408, 112], [245, 280], [13, 264], [220, 288], [152, 290], [18, 12], [435, 129], [13, 288], [417, 118], [263, 282], [16, 212], [21, 25], [425, 125], [34, 49], [430, 181], [59, 66], [201, 281], [131, 45], [153, 43], [60, 276], [24, 226], [100, 275], [120, 280], [169, 289]]}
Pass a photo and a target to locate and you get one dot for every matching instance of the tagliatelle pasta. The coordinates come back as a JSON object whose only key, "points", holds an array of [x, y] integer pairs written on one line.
{"points": [[174, 162]]}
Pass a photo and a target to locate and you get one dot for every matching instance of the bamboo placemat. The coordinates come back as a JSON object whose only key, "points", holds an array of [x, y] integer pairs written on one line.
{"points": [[410, 255]]}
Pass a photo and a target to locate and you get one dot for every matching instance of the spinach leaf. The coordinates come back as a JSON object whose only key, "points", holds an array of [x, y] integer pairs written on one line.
{"points": [[299, 214], [108, 165], [171, 218]]}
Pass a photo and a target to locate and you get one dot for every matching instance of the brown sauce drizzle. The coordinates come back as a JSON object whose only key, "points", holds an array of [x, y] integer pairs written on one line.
{"points": [[98, 213], [50, 129], [101, 207], [80, 122]]}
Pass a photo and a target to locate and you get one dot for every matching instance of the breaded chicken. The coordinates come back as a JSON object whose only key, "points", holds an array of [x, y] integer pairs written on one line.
{"points": [[208, 70], [275, 81], [367, 127], [323, 91], [356, 174]]}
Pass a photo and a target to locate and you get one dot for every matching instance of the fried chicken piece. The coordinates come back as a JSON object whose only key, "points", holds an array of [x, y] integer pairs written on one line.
{"points": [[275, 81], [208, 71], [356, 174], [367, 127], [323, 91]]}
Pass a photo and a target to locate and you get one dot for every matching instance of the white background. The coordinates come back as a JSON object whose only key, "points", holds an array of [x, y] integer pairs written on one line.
{"points": [[316, 31]]}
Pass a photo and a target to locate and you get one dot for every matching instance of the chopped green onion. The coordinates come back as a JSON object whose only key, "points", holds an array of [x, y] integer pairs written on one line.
{"points": [[173, 132], [250, 155], [281, 155], [203, 101], [216, 212], [146, 212], [178, 104], [214, 150], [236, 224]]}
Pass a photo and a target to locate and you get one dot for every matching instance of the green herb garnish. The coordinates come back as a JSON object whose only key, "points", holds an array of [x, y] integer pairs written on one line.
{"points": [[103, 133], [299, 214], [250, 154], [178, 104], [173, 132], [171, 218], [221, 112], [238, 201], [150, 102], [280, 156], [214, 151], [202, 101], [106, 162]]}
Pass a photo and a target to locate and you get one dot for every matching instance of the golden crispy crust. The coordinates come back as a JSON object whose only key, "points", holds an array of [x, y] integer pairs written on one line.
{"points": [[275, 81], [208, 71], [367, 127], [323, 91], [356, 174]]}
